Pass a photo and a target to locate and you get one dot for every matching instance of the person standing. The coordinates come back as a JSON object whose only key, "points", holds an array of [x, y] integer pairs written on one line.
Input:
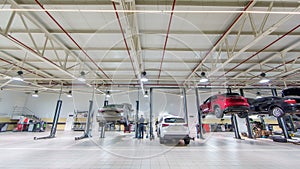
{"points": [[141, 126]]}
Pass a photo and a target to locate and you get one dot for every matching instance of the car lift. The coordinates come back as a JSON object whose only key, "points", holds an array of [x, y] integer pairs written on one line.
{"points": [[199, 115], [234, 122], [102, 124], [247, 119], [281, 120], [233, 119], [151, 108], [55, 120], [87, 132]]}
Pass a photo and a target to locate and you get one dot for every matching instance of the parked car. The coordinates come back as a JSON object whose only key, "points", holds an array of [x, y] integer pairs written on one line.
{"points": [[173, 128], [221, 104], [277, 106]]}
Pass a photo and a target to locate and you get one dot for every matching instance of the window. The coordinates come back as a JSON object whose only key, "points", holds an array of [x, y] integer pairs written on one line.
{"points": [[174, 120]]}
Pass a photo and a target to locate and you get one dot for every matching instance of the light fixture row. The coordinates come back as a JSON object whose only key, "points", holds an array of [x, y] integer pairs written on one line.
{"points": [[36, 94]]}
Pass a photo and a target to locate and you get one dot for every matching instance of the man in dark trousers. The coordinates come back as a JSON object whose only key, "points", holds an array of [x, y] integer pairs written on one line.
{"points": [[141, 127]]}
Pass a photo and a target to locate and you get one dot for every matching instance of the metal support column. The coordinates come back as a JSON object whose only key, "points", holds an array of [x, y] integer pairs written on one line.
{"points": [[235, 125], [291, 121], [87, 132], [54, 123], [274, 92], [199, 115], [102, 129], [250, 135], [137, 119], [185, 106], [151, 114]]}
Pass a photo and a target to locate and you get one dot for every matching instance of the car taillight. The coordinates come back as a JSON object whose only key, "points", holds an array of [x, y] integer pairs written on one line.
{"points": [[290, 101], [165, 125]]}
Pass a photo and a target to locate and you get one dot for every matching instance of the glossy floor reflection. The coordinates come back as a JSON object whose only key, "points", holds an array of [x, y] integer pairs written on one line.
{"points": [[119, 150]]}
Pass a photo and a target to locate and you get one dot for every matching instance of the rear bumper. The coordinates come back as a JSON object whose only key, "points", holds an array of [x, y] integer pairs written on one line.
{"points": [[176, 137], [236, 109], [295, 108]]}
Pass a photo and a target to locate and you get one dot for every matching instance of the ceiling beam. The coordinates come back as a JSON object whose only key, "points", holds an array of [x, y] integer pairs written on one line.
{"points": [[223, 3]]}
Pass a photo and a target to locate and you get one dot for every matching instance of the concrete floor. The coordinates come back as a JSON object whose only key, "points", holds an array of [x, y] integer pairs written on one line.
{"points": [[119, 150]]}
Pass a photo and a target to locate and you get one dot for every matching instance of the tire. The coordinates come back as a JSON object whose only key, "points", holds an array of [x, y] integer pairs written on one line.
{"points": [[161, 140], [218, 112], [279, 139], [277, 112], [186, 141], [242, 115]]}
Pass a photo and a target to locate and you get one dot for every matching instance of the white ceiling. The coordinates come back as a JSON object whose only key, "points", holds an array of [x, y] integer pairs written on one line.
{"points": [[232, 41]]}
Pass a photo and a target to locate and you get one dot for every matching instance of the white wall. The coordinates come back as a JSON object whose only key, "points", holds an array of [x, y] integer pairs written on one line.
{"points": [[9, 99]]}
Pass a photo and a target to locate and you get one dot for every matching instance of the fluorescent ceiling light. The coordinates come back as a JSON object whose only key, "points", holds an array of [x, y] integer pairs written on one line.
{"points": [[264, 80], [203, 80]]}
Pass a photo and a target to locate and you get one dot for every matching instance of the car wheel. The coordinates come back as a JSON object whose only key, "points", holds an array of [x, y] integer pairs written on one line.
{"points": [[161, 141], [277, 112], [218, 112], [242, 115], [186, 141]]}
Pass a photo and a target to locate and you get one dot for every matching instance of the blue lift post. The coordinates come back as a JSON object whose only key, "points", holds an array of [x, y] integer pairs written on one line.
{"points": [[247, 119], [281, 119], [199, 115]]}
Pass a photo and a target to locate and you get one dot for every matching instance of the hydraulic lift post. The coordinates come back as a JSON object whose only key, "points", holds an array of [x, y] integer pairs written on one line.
{"points": [[151, 114], [54, 123], [234, 121], [247, 118], [199, 115], [137, 119], [102, 124], [281, 119], [87, 132], [185, 106], [235, 126]]}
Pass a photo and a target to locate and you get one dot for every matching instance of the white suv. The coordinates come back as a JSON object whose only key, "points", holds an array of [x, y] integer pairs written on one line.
{"points": [[173, 128]]}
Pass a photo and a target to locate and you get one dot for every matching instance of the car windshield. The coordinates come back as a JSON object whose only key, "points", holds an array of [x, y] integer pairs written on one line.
{"points": [[291, 92], [174, 120], [114, 106]]}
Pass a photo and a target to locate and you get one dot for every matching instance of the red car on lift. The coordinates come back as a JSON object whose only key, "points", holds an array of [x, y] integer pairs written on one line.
{"points": [[221, 104]]}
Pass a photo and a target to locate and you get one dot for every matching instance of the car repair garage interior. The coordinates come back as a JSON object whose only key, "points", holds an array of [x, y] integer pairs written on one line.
{"points": [[150, 84]]}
